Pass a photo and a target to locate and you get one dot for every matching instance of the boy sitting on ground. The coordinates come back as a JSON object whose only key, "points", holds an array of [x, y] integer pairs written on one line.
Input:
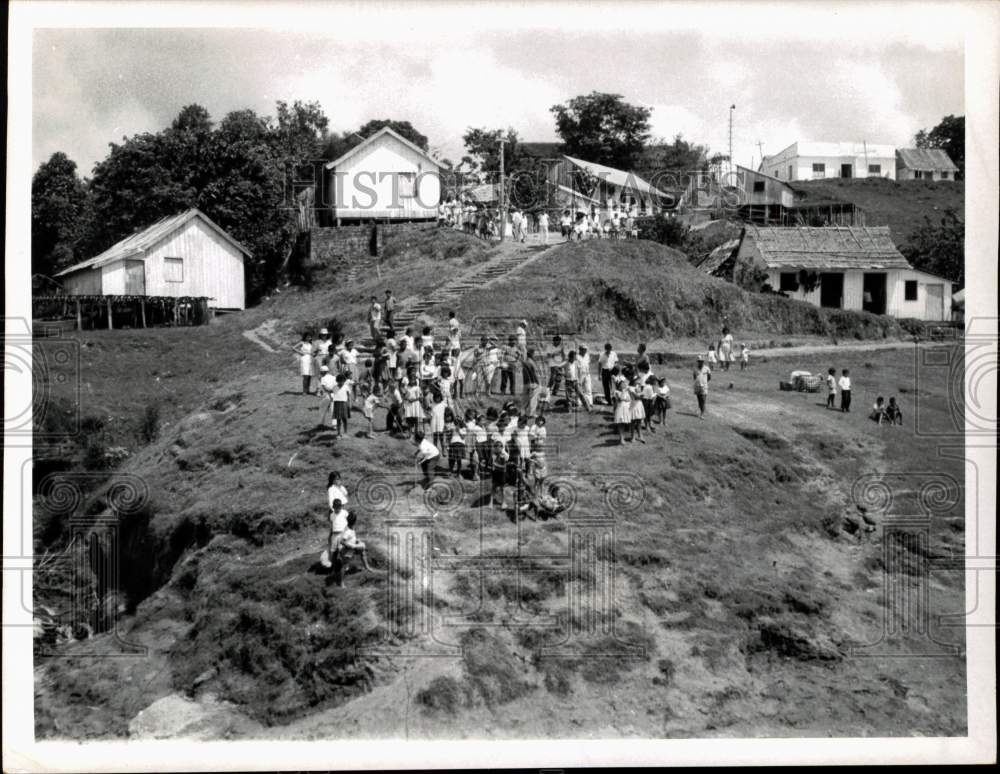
{"points": [[893, 412], [878, 411]]}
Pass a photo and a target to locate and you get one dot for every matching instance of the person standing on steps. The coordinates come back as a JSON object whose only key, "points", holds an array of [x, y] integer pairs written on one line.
{"points": [[702, 375], [375, 318], [389, 307]]}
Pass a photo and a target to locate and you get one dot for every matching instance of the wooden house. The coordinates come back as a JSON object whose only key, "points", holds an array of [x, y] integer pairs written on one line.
{"points": [[845, 267], [924, 164], [580, 185], [385, 177], [183, 256]]}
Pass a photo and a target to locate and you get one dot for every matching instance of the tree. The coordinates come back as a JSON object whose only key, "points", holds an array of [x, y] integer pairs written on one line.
{"points": [[242, 174], [58, 199], [939, 248], [949, 136], [404, 128], [483, 146], [603, 128]]}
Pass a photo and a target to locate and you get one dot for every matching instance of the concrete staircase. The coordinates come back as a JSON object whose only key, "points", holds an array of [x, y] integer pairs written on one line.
{"points": [[509, 257]]}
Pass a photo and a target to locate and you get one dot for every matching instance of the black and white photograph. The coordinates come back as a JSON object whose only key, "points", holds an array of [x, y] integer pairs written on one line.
{"points": [[521, 384]]}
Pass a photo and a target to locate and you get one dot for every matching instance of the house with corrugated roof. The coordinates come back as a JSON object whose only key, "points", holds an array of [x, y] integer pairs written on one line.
{"points": [[924, 164], [183, 256], [582, 185], [845, 267]]}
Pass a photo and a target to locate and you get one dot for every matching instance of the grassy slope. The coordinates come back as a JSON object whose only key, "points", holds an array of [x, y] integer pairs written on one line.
{"points": [[599, 289], [728, 579], [900, 204]]}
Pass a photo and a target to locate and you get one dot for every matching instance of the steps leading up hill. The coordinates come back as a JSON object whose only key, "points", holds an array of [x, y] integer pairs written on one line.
{"points": [[508, 258]]}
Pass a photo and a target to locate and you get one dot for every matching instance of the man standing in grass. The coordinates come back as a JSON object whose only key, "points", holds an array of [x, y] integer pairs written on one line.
{"points": [[607, 362], [557, 362], [532, 386], [702, 375]]}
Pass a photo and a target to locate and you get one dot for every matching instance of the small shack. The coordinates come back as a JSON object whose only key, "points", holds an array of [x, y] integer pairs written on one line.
{"points": [[845, 267], [924, 164], [183, 256]]}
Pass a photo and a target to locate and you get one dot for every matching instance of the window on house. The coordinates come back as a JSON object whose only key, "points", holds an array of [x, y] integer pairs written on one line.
{"points": [[789, 171], [407, 185], [819, 171], [910, 290], [776, 173], [944, 175], [758, 186], [874, 169], [789, 282], [173, 269]]}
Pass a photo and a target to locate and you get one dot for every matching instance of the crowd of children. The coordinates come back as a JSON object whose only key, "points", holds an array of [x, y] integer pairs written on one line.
{"points": [[486, 221]]}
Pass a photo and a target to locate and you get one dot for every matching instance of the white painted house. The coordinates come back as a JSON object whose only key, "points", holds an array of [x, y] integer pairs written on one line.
{"points": [[384, 177], [819, 160], [845, 267], [183, 255]]}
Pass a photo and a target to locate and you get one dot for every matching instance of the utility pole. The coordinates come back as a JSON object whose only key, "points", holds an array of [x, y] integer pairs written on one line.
{"points": [[760, 147], [502, 198], [731, 109]]}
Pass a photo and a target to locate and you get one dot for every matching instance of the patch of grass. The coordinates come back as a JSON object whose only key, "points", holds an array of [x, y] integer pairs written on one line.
{"points": [[491, 669], [444, 695]]}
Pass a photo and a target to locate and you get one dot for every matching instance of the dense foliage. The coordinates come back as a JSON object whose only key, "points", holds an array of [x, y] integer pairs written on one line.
{"points": [[244, 173], [603, 128], [939, 248], [949, 136]]}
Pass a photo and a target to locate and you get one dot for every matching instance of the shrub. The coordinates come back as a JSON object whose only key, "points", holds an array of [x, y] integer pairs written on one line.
{"points": [[444, 694]]}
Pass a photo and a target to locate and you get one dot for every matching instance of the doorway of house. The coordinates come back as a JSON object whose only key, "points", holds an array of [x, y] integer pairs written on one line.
{"points": [[874, 293], [831, 290], [135, 278], [934, 302], [847, 170]]}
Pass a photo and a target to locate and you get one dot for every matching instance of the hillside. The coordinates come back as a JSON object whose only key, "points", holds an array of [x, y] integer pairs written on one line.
{"points": [[641, 289], [741, 576], [900, 204]]}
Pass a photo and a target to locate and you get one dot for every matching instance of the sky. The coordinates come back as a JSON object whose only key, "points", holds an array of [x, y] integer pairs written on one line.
{"points": [[857, 73]]}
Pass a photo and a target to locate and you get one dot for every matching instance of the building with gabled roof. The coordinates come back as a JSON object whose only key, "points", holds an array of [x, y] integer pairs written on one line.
{"points": [[845, 267], [184, 255], [924, 164], [385, 177]]}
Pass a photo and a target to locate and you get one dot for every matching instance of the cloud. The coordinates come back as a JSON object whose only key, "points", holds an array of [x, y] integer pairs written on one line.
{"points": [[91, 86]]}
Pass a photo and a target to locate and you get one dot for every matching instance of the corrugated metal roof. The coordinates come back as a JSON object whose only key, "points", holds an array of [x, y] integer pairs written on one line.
{"points": [[140, 241], [719, 256], [626, 180], [926, 159], [827, 247]]}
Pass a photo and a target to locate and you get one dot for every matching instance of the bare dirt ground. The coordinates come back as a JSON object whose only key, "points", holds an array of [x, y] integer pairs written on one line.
{"points": [[742, 602]]}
